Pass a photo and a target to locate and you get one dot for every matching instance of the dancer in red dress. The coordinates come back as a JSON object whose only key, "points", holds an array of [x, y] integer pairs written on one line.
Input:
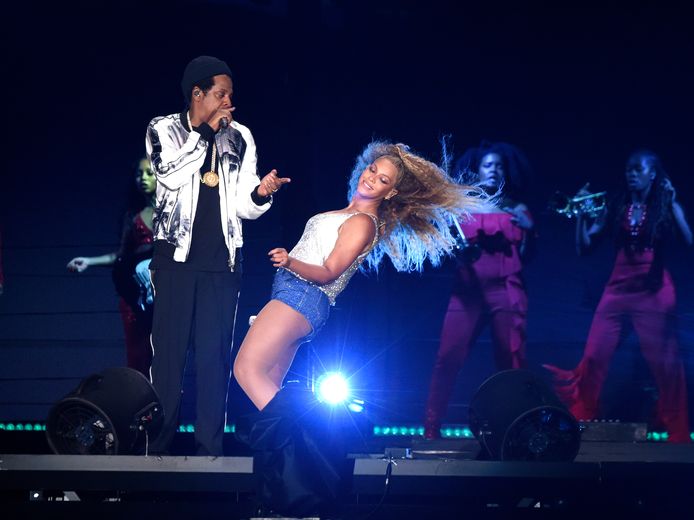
{"points": [[130, 271], [488, 287], [641, 290]]}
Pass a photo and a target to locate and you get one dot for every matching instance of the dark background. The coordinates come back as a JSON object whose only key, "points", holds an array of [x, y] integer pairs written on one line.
{"points": [[577, 86]]}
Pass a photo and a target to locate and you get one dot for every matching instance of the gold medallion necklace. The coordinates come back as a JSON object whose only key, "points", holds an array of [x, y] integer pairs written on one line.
{"points": [[210, 178]]}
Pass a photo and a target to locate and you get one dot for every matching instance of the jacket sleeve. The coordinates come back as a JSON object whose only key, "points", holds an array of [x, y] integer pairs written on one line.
{"points": [[175, 159], [248, 181]]}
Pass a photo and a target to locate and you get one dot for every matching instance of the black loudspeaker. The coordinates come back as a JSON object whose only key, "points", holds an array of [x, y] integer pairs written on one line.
{"points": [[107, 414], [515, 415]]}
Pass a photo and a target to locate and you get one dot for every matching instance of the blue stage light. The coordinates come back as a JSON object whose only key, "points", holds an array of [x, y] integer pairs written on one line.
{"points": [[332, 388]]}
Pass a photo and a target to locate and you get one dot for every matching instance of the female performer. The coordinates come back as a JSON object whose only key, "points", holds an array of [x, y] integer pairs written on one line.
{"points": [[130, 270], [640, 289], [488, 287], [400, 205]]}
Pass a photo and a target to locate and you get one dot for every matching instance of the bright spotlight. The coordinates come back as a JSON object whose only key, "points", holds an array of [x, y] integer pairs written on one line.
{"points": [[332, 388]]}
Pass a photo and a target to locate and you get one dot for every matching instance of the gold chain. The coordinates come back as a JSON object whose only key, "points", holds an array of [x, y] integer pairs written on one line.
{"points": [[213, 178]]}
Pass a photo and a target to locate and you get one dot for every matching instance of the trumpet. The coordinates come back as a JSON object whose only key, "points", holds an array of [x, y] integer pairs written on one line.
{"points": [[465, 252], [588, 205]]}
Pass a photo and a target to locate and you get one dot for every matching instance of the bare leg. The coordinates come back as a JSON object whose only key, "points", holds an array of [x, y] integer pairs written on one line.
{"points": [[267, 351], [280, 370]]}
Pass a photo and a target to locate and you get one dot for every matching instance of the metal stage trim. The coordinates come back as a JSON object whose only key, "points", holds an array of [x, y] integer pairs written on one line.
{"points": [[127, 472], [235, 474], [417, 488]]}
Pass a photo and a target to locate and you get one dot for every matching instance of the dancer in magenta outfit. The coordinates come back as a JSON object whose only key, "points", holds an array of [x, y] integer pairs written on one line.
{"points": [[488, 285], [640, 289]]}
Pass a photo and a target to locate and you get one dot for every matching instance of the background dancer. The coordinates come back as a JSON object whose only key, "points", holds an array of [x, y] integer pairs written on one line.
{"points": [[641, 290], [131, 270], [488, 286]]}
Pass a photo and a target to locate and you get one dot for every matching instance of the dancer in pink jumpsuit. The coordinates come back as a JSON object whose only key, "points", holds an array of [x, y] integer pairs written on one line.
{"points": [[640, 289], [488, 286]]}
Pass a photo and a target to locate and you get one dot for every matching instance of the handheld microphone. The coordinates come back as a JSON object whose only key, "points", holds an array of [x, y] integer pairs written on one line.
{"points": [[224, 122]]}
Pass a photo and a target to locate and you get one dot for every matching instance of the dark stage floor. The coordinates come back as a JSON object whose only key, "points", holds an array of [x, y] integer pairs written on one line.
{"points": [[434, 479]]}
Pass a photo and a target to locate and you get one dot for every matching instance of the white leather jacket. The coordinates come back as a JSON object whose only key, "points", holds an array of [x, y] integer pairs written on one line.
{"points": [[177, 156]]}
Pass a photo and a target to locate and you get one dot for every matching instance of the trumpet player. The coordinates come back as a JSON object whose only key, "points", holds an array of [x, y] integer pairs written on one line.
{"points": [[640, 289], [488, 286]]}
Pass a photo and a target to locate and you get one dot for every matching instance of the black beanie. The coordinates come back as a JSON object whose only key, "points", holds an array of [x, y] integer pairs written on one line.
{"points": [[200, 68]]}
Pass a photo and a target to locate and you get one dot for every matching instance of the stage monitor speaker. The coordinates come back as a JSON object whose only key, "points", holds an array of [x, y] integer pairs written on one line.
{"points": [[107, 414], [515, 415]]}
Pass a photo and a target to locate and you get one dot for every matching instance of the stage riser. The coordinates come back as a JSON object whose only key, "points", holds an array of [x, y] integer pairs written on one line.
{"points": [[448, 479], [504, 500]]}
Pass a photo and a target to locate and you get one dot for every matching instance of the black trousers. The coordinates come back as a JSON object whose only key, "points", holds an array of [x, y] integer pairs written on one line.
{"points": [[193, 310]]}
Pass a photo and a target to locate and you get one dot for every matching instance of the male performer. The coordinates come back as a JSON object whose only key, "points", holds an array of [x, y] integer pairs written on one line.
{"points": [[205, 163]]}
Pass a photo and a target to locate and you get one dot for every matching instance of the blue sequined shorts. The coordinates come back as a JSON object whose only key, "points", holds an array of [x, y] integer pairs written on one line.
{"points": [[303, 297]]}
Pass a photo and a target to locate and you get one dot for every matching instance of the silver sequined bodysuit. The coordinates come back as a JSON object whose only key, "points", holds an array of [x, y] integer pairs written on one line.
{"points": [[317, 242]]}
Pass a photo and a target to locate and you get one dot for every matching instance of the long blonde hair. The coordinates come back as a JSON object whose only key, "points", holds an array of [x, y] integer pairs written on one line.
{"points": [[415, 223]]}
